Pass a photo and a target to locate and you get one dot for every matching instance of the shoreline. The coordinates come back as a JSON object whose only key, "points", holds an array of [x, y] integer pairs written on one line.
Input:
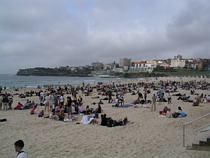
{"points": [[98, 79]]}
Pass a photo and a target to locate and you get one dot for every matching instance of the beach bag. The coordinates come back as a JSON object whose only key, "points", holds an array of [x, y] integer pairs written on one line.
{"points": [[3, 120]]}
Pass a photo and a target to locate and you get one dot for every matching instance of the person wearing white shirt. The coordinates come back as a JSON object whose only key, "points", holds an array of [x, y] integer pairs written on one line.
{"points": [[61, 99], [19, 149]]}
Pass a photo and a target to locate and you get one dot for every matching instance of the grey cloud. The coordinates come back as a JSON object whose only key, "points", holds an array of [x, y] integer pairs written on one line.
{"points": [[23, 16], [190, 31], [52, 33]]}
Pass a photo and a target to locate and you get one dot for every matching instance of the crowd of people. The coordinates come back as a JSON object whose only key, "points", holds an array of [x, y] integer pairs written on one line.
{"points": [[64, 102]]}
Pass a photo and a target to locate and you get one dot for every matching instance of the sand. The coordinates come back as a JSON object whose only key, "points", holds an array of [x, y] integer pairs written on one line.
{"points": [[146, 136]]}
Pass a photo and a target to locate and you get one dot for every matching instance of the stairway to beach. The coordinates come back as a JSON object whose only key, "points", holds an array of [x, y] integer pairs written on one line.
{"points": [[201, 146]]}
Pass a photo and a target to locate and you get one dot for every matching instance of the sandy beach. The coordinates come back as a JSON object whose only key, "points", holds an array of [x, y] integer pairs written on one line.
{"points": [[147, 135]]}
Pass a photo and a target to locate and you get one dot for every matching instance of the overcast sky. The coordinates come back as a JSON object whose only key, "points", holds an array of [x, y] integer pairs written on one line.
{"points": [[54, 33]]}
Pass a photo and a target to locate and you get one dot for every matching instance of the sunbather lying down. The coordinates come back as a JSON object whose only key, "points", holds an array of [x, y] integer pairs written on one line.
{"points": [[123, 106], [178, 114], [109, 122], [88, 119]]}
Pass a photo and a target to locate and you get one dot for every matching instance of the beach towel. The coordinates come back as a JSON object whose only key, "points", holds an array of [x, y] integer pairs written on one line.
{"points": [[145, 106], [182, 114], [124, 105], [87, 119]]}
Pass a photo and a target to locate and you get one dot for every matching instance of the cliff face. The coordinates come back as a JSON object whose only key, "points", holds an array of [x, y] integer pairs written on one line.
{"points": [[53, 72]]}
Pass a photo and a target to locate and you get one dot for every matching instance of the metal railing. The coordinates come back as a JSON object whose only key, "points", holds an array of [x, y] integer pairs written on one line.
{"points": [[190, 122]]}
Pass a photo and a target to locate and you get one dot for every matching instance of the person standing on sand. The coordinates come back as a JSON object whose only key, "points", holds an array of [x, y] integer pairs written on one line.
{"points": [[61, 99], [52, 101], [145, 97], [110, 96], [153, 107], [5, 102], [19, 149], [1, 98], [169, 98], [69, 106]]}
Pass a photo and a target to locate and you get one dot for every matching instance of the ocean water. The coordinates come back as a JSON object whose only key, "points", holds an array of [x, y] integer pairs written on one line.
{"points": [[13, 81]]}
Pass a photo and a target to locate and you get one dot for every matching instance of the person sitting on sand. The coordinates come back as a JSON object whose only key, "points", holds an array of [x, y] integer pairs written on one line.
{"points": [[28, 105], [19, 106], [100, 102], [137, 101], [116, 102], [33, 111], [61, 115], [165, 111], [179, 109], [207, 99], [98, 109], [76, 108], [140, 95], [79, 100], [196, 102], [41, 113], [120, 100], [88, 110], [103, 120], [81, 109], [59, 111], [179, 113]]}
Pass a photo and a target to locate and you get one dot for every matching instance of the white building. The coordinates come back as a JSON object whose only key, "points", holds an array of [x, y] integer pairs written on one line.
{"points": [[178, 62], [141, 66], [151, 64]]}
